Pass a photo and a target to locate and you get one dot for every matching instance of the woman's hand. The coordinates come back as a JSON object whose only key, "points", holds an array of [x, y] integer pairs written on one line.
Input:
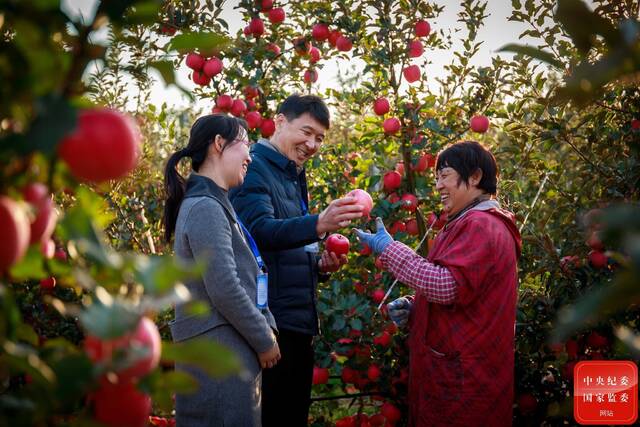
{"points": [[270, 358]]}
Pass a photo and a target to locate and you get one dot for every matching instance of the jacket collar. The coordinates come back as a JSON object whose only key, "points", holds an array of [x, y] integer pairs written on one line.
{"points": [[202, 186], [275, 157]]}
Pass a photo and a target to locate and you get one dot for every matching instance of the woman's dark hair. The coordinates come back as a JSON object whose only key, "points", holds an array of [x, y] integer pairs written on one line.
{"points": [[296, 105], [201, 136], [466, 157]]}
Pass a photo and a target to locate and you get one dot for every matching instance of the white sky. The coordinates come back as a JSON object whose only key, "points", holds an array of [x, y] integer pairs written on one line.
{"points": [[496, 32]]}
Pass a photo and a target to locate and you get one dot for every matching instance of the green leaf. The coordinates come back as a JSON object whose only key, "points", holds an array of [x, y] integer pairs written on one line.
{"points": [[582, 25], [356, 324], [202, 41], [31, 266], [55, 117], [158, 274], [339, 323], [144, 12], [166, 70], [533, 52], [107, 318], [206, 354], [75, 377]]}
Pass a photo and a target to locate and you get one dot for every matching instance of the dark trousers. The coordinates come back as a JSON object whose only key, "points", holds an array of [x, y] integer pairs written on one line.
{"points": [[286, 388]]}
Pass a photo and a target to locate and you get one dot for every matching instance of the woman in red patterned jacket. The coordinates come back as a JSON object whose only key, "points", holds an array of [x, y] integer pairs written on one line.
{"points": [[462, 316]]}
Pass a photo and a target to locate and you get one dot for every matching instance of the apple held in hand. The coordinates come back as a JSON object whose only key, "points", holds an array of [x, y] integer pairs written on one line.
{"points": [[363, 199], [338, 244]]}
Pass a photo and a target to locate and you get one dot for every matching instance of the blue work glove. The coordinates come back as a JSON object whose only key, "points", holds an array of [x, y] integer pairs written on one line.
{"points": [[377, 242], [399, 311]]}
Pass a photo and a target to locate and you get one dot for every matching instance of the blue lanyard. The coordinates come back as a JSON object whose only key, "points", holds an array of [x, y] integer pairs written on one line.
{"points": [[252, 245], [303, 206]]}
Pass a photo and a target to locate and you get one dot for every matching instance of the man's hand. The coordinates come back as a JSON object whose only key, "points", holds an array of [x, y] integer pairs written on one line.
{"points": [[330, 262], [338, 215], [377, 242], [399, 311], [270, 358]]}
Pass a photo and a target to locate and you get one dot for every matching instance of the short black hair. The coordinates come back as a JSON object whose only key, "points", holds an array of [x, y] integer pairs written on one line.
{"points": [[296, 105], [466, 157]]}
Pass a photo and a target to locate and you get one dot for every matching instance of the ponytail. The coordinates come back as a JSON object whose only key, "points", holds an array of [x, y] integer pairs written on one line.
{"points": [[174, 187]]}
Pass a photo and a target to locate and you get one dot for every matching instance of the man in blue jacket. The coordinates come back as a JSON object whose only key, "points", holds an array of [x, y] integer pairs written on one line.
{"points": [[273, 204]]}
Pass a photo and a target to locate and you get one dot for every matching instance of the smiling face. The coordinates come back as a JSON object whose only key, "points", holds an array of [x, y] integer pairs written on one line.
{"points": [[235, 160], [298, 139], [455, 194]]}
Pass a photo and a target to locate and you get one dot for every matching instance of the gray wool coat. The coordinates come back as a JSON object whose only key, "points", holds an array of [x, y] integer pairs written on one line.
{"points": [[207, 228]]}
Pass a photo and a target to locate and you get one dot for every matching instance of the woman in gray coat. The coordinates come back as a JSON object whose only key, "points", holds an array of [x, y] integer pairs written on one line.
{"points": [[198, 212]]}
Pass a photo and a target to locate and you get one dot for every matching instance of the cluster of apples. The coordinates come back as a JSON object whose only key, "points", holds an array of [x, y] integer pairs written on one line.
{"points": [[204, 69], [247, 109], [597, 257], [320, 33], [389, 415], [276, 16], [421, 28], [117, 401], [104, 145]]}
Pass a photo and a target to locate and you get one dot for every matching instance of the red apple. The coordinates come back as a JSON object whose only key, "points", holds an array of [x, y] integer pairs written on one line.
{"points": [[381, 106], [422, 28], [598, 259], [238, 107], [224, 102], [310, 76], [314, 55], [195, 61], [267, 128], [274, 48], [338, 244], [391, 125], [212, 67], [320, 375], [393, 198], [363, 199], [569, 262], [412, 227], [200, 78], [48, 284], [409, 202], [266, 5], [253, 119], [400, 168], [105, 145], [320, 32], [60, 255], [479, 123], [343, 44], [346, 422], [145, 338], [391, 181], [397, 227], [415, 49], [384, 339], [333, 37], [378, 264], [635, 124], [250, 92], [277, 15], [377, 420], [45, 219], [411, 73], [14, 229], [377, 295], [121, 405], [256, 27], [390, 412], [374, 372], [594, 241]]}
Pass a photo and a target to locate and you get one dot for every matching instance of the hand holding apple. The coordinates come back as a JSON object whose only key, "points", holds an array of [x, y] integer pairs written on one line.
{"points": [[338, 214], [330, 262]]}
